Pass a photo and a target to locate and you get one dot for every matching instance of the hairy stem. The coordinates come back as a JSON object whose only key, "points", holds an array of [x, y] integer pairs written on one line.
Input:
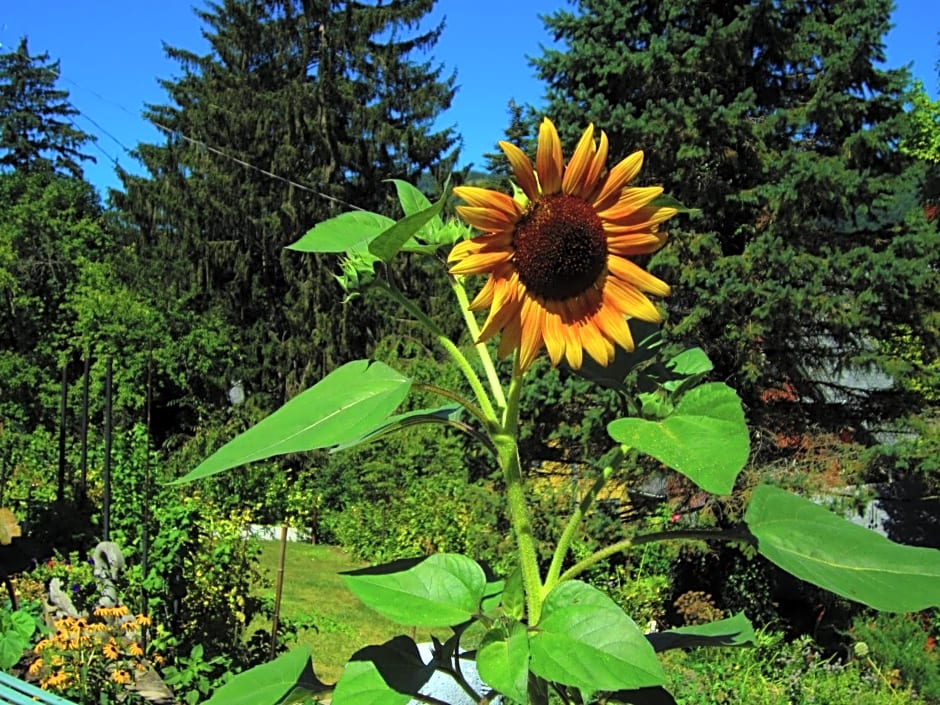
{"points": [[507, 445], [485, 359], [564, 543]]}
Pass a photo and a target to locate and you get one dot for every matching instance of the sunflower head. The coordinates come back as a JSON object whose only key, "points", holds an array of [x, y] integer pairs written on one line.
{"points": [[560, 273]]}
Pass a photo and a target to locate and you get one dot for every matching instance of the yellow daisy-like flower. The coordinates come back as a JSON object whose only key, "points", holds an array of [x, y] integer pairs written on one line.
{"points": [[134, 649], [558, 264], [35, 667], [121, 676], [110, 650]]}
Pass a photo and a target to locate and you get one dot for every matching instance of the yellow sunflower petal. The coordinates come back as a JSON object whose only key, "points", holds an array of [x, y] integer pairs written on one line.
{"points": [[631, 301], [574, 182], [489, 220], [533, 323], [633, 274], [511, 336], [489, 199], [506, 305], [592, 178], [521, 169], [617, 178], [574, 353], [482, 243], [631, 200], [594, 342], [554, 335], [481, 263], [485, 297], [645, 218], [635, 243], [548, 158], [609, 319]]}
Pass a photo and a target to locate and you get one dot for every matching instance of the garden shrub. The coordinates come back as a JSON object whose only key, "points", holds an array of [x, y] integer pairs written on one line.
{"points": [[903, 645]]}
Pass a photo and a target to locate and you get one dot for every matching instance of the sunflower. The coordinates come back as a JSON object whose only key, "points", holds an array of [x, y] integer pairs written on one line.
{"points": [[558, 256]]}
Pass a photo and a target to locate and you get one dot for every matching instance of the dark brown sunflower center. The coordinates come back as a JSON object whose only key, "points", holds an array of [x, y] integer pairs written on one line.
{"points": [[560, 247]]}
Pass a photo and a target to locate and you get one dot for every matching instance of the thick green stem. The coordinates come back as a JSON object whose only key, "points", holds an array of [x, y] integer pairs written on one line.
{"points": [[496, 389], [484, 401], [508, 448], [564, 543]]}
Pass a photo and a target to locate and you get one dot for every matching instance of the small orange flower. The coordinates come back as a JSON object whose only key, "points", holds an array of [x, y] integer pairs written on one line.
{"points": [[134, 649], [121, 676], [143, 620], [35, 667]]}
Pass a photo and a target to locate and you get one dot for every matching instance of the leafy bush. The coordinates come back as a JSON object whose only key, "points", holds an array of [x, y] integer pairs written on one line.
{"points": [[904, 646], [778, 673], [430, 514]]}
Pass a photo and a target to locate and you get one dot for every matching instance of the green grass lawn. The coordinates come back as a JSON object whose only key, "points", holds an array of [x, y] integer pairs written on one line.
{"points": [[315, 595]]}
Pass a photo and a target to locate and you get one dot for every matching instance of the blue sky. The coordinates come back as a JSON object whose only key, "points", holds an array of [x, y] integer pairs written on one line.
{"points": [[111, 54]]}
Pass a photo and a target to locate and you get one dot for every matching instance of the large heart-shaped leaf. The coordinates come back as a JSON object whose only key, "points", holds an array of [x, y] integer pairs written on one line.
{"points": [[389, 674], [735, 631], [705, 437], [345, 404], [503, 660], [585, 640], [442, 590], [287, 679], [822, 548], [345, 232]]}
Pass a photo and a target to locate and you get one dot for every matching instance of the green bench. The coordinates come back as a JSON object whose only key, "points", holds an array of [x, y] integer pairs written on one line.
{"points": [[13, 690]]}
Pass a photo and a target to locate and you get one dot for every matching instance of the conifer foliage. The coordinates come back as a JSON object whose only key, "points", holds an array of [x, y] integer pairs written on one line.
{"points": [[297, 111], [36, 128], [811, 258]]}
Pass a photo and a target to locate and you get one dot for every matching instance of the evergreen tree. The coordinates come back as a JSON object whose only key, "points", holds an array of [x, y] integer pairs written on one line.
{"points": [[36, 128], [325, 98], [811, 256]]}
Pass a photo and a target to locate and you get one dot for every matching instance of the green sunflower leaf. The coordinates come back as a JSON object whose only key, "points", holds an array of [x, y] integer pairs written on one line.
{"points": [[585, 640], [734, 631], [442, 590], [390, 242], [287, 679], [441, 415], [344, 405], [705, 437], [343, 233], [388, 674], [824, 549], [503, 660]]}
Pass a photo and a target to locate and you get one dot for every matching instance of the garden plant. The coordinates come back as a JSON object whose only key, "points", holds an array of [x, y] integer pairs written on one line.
{"points": [[560, 260]]}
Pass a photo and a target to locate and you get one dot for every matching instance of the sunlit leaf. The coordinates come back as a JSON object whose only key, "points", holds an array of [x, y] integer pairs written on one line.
{"points": [[734, 631], [705, 437], [287, 679], [824, 549], [503, 660], [440, 415], [389, 674], [343, 405], [343, 233], [391, 241], [585, 640], [441, 590]]}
